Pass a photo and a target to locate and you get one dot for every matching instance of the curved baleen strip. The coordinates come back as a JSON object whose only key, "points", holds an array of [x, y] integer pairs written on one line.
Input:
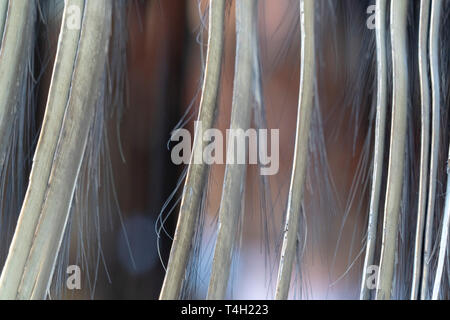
{"points": [[424, 143], [53, 211], [444, 238], [380, 129], [87, 76], [305, 106], [399, 9], [436, 8], [43, 159], [234, 180], [58, 96], [3, 12], [197, 172], [14, 56]]}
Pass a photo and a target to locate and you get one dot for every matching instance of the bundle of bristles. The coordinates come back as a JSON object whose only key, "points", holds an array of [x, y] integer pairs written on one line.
{"points": [[56, 177]]}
